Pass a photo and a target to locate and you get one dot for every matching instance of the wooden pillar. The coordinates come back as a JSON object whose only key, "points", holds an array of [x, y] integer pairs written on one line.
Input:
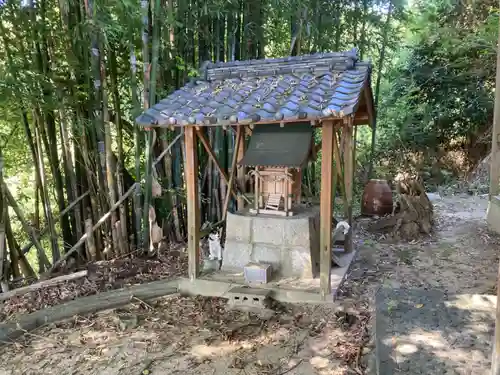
{"points": [[326, 208], [286, 200], [348, 142], [193, 211], [240, 176]]}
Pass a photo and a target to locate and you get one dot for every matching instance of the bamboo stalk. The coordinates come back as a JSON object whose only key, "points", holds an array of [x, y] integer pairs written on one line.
{"points": [[11, 201], [46, 199], [24, 265], [3, 217], [119, 238], [123, 218], [147, 69], [101, 221], [91, 250], [72, 188], [27, 247], [119, 141], [167, 149], [137, 139]]}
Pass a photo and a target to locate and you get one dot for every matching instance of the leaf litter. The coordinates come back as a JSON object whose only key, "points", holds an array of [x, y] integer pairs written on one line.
{"points": [[193, 335], [183, 335], [102, 276]]}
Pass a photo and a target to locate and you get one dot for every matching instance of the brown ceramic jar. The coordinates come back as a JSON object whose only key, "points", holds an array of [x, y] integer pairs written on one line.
{"points": [[377, 198]]}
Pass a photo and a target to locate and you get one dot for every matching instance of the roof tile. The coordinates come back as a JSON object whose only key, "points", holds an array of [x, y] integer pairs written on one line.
{"points": [[278, 89]]}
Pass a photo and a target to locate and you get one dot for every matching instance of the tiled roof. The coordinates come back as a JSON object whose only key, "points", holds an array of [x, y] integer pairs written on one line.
{"points": [[308, 87]]}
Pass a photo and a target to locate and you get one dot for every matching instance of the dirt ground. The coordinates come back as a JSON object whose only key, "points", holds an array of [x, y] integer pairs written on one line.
{"points": [[180, 335]]}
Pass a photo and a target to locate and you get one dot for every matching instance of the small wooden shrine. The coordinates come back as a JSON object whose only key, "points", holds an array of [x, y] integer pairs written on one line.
{"points": [[277, 155], [330, 91]]}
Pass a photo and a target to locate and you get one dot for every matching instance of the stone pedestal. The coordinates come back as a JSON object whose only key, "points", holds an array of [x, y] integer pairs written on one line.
{"points": [[290, 244]]}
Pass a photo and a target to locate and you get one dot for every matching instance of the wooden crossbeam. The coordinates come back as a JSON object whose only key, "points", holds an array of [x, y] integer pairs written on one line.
{"points": [[211, 153], [239, 139]]}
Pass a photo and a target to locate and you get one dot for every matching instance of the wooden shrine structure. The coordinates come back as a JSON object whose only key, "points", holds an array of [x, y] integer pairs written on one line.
{"points": [[277, 155], [330, 91]]}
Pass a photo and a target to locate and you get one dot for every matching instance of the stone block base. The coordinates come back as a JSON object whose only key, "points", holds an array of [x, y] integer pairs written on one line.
{"points": [[289, 244]]}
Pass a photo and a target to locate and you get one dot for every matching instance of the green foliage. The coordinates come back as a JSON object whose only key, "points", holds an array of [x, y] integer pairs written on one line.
{"points": [[440, 90]]}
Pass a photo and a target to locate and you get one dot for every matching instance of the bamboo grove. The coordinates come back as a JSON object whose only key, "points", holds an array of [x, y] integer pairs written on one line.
{"points": [[75, 74]]}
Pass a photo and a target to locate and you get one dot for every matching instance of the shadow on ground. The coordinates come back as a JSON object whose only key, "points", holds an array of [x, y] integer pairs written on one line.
{"points": [[422, 331]]}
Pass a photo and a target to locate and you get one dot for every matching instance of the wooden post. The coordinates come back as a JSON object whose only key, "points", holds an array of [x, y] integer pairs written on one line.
{"points": [[348, 142], [193, 211], [298, 189], [241, 172], [285, 188], [326, 208]]}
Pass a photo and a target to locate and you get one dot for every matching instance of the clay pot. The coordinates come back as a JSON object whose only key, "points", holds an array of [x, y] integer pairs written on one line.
{"points": [[377, 198]]}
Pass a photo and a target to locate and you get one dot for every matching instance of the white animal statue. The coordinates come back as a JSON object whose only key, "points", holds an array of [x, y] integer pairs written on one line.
{"points": [[214, 246]]}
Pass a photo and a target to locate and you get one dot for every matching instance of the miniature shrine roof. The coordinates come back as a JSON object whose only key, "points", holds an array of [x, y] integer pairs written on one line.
{"points": [[274, 146], [310, 87]]}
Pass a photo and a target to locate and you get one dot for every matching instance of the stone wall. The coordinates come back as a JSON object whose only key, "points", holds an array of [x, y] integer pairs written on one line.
{"points": [[290, 244]]}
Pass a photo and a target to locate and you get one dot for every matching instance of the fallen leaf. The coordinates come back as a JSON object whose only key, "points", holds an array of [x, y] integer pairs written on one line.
{"points": [[419, 305]]}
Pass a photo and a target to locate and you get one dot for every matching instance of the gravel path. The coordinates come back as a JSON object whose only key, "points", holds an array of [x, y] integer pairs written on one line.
{"points": [[435, 310], [427, 332]]}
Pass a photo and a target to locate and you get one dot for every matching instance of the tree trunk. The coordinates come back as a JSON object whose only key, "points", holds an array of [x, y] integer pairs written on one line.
{"points": [[377, 85]]}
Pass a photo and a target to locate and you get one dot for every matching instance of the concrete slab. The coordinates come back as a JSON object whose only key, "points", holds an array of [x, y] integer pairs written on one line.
{"points": [[291, 289], [421, 331]]}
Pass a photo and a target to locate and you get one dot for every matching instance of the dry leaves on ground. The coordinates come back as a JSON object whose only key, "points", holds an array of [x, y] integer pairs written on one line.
{"points": [[102, 276], [197, 336]]}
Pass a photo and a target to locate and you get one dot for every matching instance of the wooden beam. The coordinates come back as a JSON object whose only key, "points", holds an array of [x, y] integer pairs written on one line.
{"points": [[370, 106], [362, 119], [42, 284], [241, 172], [193, 209], [211, 153], [316, 122], [239, 137], [86, 305], [326, 209]]}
